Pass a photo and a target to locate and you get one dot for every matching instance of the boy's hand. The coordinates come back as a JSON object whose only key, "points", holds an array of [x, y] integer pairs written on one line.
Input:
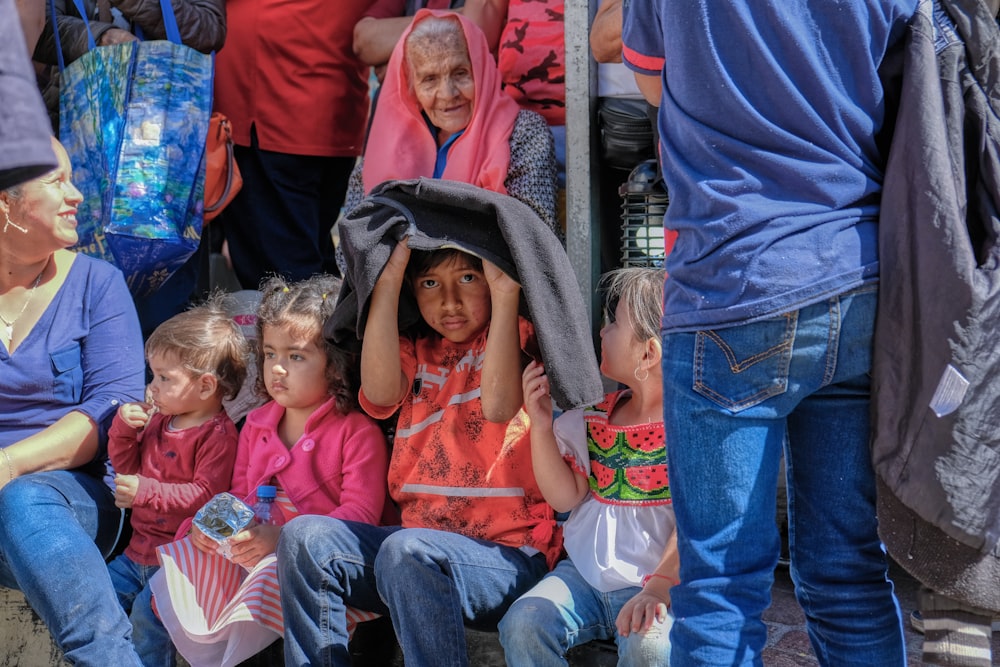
{"points": [[126, 487], [499, 282], [535, 389], [135, 415], [251, 545], [395, 268]]}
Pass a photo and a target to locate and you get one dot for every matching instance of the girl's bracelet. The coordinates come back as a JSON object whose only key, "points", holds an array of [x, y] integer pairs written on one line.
{"points": [[673, 582]]}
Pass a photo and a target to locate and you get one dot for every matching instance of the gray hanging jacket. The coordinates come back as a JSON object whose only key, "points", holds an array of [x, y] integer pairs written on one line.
{"points": [[436, 213], [936, 366]]}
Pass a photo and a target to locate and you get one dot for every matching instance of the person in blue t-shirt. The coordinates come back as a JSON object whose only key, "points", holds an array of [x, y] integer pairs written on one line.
{"points": [[768, 118]]}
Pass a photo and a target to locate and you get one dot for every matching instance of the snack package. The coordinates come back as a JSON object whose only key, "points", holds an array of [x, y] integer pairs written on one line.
{"points": [[222, 517]]}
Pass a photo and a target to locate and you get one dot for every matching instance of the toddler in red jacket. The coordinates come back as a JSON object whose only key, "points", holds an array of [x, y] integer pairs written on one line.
{"points": [[173, 453]]}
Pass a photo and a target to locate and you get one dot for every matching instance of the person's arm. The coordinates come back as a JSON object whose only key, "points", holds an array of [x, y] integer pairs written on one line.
{"points": [[653, 601], [374, 39], [606, 32], [490, 16], [213, 472], [68, 443], [201, 23], [382, 378], [561, 486], [531, 175], [500, 388], [32, 16], [651, 87]]}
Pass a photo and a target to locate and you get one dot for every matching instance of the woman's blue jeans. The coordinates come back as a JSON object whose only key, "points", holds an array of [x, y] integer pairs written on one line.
{"points": [[56, 528], [734, 398], [563, 611], [432, 583]]}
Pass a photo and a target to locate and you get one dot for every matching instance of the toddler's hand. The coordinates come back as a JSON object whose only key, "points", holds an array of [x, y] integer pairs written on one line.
{"points": [[202, 541], [135, 415], [535, 389], [126, 487], [251, 545]]}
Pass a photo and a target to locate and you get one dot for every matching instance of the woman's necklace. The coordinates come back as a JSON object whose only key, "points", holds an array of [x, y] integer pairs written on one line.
{"points": [[9, 324]]}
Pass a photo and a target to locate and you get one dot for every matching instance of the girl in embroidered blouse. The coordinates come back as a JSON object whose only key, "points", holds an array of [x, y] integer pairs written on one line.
{"points": [[310, 441], [606, 466]]}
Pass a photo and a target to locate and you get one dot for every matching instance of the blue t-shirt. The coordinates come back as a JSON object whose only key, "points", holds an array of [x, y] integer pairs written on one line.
{"points": [[84, 354], [767, 124]]}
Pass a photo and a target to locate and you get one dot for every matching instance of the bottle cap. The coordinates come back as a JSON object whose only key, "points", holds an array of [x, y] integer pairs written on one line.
{"points": [[267, 491]]}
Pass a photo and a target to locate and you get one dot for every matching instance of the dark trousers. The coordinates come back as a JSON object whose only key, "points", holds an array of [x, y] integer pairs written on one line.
{"points": [[280, 221]]}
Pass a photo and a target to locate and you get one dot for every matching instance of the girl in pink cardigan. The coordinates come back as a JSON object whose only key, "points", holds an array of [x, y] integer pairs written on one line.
{"points": [[312, 443]]}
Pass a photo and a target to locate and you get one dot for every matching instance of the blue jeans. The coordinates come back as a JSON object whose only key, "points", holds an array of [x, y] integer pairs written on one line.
{"points": [[56, 528], [563, 611], [430, 582], [152, 641], [733, 399]]}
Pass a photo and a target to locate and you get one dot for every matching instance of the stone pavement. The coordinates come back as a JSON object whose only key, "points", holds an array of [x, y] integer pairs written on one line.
{"points": [[788, 644]]}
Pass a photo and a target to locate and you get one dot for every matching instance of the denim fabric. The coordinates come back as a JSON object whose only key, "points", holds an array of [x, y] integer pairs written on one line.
{"points": [[733, 399], [563, 611], [150, 638], [432, 584], [55, 530]]}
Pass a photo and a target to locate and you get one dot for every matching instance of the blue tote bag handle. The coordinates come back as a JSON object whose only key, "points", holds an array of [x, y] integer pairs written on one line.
{"points": [[91, 44], [169, 25]]}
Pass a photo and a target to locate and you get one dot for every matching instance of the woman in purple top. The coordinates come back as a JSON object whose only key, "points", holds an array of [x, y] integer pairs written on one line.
{"points": [[70, 352]]}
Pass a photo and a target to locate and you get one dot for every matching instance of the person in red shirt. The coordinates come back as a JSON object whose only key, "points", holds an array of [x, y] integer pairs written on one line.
{"points": [[297, 98], [475, 531]]}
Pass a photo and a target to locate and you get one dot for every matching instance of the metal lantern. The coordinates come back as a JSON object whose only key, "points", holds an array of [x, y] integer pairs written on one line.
{"points": [[644, 201]]}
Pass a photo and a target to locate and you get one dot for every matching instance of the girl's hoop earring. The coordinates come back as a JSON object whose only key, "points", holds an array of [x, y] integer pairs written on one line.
{"points": [[636, 373]]}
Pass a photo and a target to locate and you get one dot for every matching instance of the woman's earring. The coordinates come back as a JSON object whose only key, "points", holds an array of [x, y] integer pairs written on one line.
{"points": [[638, 367], [16, 226]]}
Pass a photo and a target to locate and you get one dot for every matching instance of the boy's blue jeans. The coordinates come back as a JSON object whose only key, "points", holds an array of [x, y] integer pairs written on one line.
{"points": [[432, 583], [733, 399], [55, 530], [151, 639], [563, 611]]}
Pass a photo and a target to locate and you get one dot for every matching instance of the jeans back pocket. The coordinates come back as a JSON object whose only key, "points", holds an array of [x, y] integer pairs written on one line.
{"points": [[743, 366]]}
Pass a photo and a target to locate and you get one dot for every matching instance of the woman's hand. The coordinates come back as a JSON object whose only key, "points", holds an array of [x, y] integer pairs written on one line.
{"points": [[250, 546], [535, 389], [648, 605], [126, 488]]}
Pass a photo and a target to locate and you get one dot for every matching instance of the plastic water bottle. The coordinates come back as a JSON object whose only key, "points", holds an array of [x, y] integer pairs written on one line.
{"points": [[264, 510]]}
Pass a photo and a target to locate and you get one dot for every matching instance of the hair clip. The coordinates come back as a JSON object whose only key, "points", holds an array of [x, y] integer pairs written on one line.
{"points": [[324, 296], [285, 289]]}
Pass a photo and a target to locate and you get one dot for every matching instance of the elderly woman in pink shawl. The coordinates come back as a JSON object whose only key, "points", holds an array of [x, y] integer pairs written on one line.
{"points": [[441, 113]]}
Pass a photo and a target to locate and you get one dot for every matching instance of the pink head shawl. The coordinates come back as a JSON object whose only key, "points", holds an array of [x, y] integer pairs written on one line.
{"points": [[400, 146]]}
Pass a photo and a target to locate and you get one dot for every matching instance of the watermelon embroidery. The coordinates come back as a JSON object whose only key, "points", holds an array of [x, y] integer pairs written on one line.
{"points": [[628, 465]]}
